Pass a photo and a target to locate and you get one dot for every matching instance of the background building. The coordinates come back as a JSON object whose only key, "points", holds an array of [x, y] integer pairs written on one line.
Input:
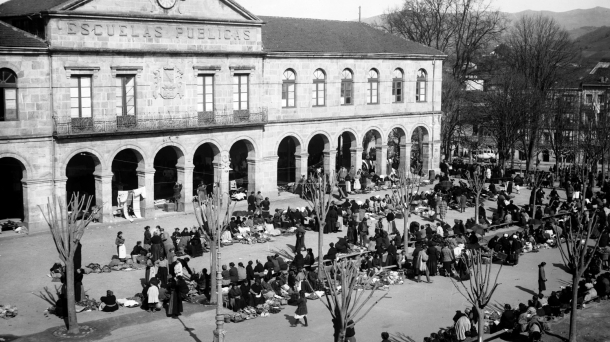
{"points": [[100, 96]]}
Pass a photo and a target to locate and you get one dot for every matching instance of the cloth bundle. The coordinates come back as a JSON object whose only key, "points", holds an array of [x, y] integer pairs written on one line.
{"points": [[8, 311]]}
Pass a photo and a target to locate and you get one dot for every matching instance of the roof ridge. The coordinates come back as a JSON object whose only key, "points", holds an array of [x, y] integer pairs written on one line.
{"points": [[25, 33], [317, 19]]}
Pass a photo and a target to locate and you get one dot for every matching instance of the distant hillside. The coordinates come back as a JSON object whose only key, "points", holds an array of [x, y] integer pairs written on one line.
{"points": [[578, 22], [595, 44]]}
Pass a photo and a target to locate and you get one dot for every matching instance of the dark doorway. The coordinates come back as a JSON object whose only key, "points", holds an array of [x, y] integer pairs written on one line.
{"points": [[11, 201]]}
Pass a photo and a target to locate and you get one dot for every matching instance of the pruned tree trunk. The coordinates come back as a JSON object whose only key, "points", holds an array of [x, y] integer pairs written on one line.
{"points": [[72, 320], [213, 269], [481, 323], [320, 246], [574, 304]]}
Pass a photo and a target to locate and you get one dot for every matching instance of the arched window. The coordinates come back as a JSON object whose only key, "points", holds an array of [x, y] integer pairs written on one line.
{"points": [[288, 89], [347, 82], [421, 86], [8, 95], [372, 87], [318, 93], [397, 85]]}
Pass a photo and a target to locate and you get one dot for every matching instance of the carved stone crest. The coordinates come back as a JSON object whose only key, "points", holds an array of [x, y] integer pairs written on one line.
{"points": [[168, 82]]}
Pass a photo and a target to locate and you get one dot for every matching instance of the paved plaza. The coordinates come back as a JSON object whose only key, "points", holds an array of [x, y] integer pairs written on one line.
{"points": [[411, 309]]}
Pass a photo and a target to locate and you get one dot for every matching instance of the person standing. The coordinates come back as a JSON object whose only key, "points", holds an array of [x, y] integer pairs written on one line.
{"points": [[301, 312], [541, 278], [259, 200], [147, 238], [251, 202], [442, 208], [421, 266], [120, 246], [516, 247], [265, 208], [167, 242], [153, 296]]}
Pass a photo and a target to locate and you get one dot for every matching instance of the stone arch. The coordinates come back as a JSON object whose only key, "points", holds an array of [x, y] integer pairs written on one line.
{"points": [[399, 153], [376, 155], [348, 149], [86, 174], [14, 68], [243, 168], [294, 135], [169, 162], [13, 175], [289, 151], [128, 167], [252, 146], [420, 139], [206, 166], [27, 168], [100, 165], [141, 152], [319, 152]]}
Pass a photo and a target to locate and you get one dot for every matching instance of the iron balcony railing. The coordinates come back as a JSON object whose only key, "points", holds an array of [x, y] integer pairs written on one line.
{"points": [[68, 126]]}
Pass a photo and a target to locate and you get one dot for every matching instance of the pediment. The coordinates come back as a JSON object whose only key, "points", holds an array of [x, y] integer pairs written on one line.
{"points": [[220, 10]]}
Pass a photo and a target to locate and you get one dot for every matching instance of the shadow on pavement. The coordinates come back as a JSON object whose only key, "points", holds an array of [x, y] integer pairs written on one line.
{"points": [[190, 331], [532, 292], [105, 327]]}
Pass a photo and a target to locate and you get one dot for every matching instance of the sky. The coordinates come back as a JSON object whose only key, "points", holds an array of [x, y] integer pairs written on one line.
{"points": [[348, 9]]}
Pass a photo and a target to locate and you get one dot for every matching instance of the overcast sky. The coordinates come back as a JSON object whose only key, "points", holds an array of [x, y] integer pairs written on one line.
{"points": [[348, 9]]}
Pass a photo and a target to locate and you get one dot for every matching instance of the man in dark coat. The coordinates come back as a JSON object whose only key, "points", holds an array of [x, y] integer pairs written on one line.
{"points": [[516, 250], [331, 220], [252, 202]]}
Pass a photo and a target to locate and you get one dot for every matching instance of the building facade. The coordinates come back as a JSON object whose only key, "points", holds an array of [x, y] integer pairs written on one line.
{"points": [[101, 96]]}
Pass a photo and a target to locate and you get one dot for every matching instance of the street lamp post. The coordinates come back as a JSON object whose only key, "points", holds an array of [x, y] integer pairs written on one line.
{"points": [[219, 333]]}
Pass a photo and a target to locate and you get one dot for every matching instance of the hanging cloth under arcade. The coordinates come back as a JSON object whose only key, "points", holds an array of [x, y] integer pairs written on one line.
{"points": [[131, 200]]}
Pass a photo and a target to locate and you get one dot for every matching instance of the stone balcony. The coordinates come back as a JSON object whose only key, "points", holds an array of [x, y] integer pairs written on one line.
{"points": [[65, 126]]}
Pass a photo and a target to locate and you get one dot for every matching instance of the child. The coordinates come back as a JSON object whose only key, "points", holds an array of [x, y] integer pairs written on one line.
{"points": [[301, 310]]}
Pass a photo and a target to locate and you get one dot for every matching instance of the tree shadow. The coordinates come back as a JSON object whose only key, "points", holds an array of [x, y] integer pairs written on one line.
{"points": [[532, 292], [400, 337], [283, 253], [556, 336], [48, 296], [562, 267], [190, 331]]}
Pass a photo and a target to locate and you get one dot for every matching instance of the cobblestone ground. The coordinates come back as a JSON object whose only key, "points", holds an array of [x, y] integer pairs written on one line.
{"points": [[412, 309]]}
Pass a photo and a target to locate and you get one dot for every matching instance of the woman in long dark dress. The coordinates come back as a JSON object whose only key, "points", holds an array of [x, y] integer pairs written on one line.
{"points": [[174, 307], [162, 271], [432, 259], [157, 247], [196, 249], [235, 298]]}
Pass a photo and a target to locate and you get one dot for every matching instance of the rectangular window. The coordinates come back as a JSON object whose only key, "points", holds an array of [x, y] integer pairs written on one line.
{"points": [[8, 103], [240, 92], [318, 93], [346, 93], [205, 93], [589, 99], [80, 96], [601, 98], [288, 90], [397, 91], [420, 91], [126, 95], [372, 94]]}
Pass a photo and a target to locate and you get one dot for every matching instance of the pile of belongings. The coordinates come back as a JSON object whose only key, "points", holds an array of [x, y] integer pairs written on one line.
{"points": [[131, 302], [114, 265], [262, 310], [8, 311], [392, 278], [275, 305], [314, 295], [87, 304], [12, 225], [248, 312]]}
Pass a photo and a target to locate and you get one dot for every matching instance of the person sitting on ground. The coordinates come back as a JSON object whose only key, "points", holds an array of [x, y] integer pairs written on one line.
{"points": [[109, 303], [332, 253], [342, 245]]}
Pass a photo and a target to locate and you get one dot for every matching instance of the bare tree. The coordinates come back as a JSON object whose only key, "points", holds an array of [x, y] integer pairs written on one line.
{"points": [[500, 111], [345, 304], [213, 216], [559, 124], [578, 251], [477, 184], [407, 184], [480, 287], [319, 192], [67, 228], [540, 50], [462, 29]]}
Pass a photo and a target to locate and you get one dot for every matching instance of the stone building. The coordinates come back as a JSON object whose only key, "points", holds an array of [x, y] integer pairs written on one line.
{"points": [[100, 96]]}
